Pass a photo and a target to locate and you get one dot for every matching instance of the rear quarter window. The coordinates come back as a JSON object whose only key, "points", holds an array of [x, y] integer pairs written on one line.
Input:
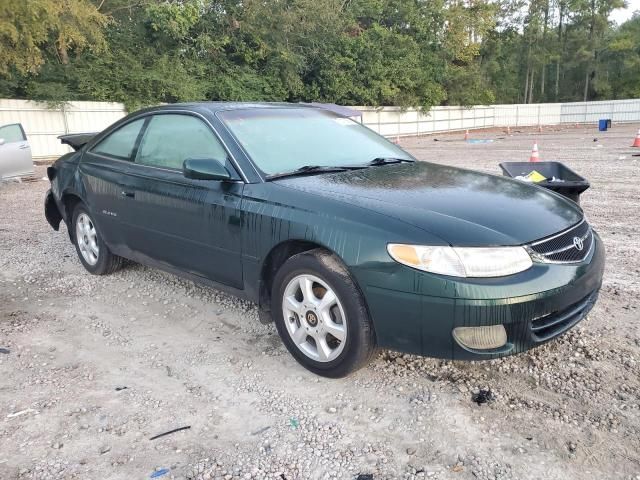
{"points": [[120, 143]]}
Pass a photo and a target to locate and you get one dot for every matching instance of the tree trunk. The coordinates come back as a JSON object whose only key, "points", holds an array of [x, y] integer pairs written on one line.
{"points": [[531, 85], [63, 53], [586, 86], [593, 50], [557, 79], [544, 50], [561, 44], [526, 84]]}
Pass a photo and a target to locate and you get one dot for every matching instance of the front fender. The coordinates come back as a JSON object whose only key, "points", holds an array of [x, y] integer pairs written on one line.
{"points": [[65, 182]]}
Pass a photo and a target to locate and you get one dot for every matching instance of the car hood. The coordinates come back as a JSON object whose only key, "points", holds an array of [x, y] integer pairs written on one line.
{"points": [[462, 207]]}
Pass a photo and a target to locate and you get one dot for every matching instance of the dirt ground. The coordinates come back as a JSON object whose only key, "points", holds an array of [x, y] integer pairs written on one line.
{"points": [[92, 367]]}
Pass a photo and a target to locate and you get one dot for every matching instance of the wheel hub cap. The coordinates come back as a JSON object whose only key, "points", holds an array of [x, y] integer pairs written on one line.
{"points": [[314, 318], [87, 239]]}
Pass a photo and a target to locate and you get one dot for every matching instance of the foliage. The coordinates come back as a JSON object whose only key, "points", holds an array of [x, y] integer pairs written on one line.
{"points": [[27, 28], [623, 61], [367, 52]]}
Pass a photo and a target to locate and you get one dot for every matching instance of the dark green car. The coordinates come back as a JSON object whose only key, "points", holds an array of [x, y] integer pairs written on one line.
{"points": [[340, 236]]}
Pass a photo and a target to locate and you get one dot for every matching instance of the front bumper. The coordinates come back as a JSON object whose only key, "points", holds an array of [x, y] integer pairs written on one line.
{"points": [[534, 307]]}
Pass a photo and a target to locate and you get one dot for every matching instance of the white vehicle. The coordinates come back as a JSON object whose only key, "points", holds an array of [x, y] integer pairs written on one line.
{"points": [[15, 152]]}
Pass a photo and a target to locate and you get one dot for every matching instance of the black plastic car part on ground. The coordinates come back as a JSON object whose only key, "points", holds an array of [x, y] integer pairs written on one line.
{"points": [[559, 178]]}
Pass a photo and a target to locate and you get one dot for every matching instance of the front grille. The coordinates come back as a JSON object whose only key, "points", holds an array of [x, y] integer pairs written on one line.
{"points": [[555, 323], [562, 248]]}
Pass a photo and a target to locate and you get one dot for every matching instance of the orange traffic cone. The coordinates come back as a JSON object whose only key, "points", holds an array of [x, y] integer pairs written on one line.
{"points": [[466, 134], [636, 142], [535, 155]]}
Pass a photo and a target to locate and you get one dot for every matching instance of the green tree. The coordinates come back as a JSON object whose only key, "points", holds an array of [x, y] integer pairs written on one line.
{"points": [[373, 52], [622, 68], [28, 28], [467, 23]]}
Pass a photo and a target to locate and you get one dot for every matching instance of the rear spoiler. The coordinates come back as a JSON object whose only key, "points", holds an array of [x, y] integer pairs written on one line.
{"points": [[339, 109], [77, 140]]}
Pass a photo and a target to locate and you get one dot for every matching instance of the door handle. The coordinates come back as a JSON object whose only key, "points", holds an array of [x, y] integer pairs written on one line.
{"points": [[128, 194], [24, 147]]}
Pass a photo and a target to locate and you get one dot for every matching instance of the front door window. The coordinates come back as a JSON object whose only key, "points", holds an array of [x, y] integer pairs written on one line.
{"points": [[171, 139]]}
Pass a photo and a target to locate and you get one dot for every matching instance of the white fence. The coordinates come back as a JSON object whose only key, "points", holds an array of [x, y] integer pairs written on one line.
{"points": [[43, 124], [394, 121], [586, 112]]}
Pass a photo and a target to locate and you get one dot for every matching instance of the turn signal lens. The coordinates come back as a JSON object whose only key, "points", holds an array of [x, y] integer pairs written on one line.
{"points": [[481, 338], [441, 260], [462, 262]]}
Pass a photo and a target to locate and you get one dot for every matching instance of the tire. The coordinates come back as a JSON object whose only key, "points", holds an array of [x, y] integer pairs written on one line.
{"points": [[307, 323], [93, 253]]}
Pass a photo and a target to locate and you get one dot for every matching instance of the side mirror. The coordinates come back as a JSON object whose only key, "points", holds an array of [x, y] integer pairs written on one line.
{"points": [[205, 169], [1, 141]]}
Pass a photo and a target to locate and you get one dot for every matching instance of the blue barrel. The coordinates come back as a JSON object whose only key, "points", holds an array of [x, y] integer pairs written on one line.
{"points": [[603, 124]]}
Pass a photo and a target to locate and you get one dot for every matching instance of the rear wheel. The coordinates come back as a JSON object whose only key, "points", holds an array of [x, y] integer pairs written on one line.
{"points": [[92, 251], [321, 316]]}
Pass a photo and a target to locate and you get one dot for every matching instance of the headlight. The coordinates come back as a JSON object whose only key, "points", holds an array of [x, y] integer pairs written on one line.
{"points": [[462, 261]]}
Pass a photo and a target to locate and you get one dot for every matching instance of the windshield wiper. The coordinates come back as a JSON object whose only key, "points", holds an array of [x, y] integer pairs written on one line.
{"points": [[310, 169], [388, 160]]}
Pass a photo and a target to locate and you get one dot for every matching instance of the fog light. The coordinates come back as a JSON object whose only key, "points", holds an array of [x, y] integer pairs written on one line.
{"points": [[481, 338]]}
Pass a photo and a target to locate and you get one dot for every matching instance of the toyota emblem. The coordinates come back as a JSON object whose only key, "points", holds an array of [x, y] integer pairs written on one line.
{"points": [[578, 243]]}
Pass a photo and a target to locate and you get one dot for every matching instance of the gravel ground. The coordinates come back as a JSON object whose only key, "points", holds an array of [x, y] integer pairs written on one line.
{"points": [[92, 367]]}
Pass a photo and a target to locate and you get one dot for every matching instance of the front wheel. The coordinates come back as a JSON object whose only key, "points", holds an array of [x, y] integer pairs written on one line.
{"points": [[321, 315], [92, 251]]}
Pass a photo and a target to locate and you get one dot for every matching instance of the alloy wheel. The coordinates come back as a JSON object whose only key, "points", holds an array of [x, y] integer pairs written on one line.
{"points": [[87, 239], [314, 318]]}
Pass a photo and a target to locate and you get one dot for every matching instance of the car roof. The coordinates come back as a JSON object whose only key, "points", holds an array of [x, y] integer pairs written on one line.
{"points": [[214, 107], [218, 106]]}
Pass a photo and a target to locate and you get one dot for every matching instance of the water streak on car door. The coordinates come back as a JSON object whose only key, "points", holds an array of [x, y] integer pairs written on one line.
{"points": [[104, 182], [191, 225], [104, 172]]}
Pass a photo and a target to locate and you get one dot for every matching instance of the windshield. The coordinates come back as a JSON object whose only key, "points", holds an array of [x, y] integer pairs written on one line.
{"points": [[285, 139]]}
